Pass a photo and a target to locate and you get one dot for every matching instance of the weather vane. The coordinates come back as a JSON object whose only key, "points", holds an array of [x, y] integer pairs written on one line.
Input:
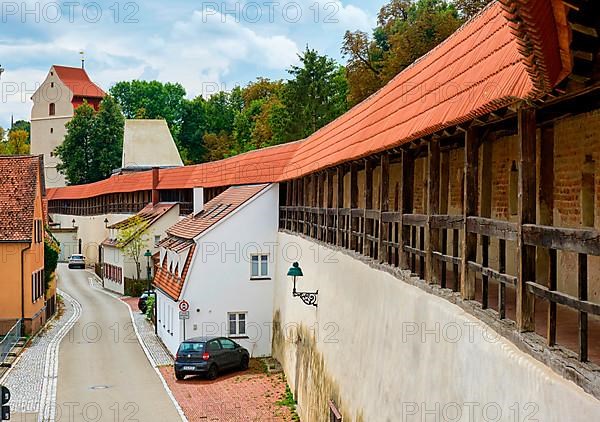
{"points": [[1, 71]]}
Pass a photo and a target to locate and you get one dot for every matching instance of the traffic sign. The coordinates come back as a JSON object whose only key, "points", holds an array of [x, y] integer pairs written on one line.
{"points": [[4, 399], [184, 314], [184, 306]]}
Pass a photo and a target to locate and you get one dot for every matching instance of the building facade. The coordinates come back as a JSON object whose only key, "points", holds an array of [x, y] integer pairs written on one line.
{"points": [[221, 260], [24, 291], [54, 103]]}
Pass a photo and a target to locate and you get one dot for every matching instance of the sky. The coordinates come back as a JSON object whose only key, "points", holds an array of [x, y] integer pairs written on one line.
{"points": [[204, 45]]}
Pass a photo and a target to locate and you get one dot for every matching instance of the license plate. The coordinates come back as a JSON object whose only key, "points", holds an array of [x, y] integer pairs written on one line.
{"points": [[189, 368]]}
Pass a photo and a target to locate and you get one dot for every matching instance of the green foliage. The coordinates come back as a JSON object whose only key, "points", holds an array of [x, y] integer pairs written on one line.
{"points": [[132, 239], [151, 100], [289, 402], [150, 302], [93, 144], [407, 29], [51, 252], [21, 125], [16, 144]]}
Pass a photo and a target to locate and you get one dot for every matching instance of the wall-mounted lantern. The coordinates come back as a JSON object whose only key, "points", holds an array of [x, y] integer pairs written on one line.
{"points": [[106, 223], [73, 221], [310, 298]]}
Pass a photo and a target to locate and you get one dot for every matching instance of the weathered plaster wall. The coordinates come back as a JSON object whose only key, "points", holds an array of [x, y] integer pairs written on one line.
{"points": [[385, 350]]}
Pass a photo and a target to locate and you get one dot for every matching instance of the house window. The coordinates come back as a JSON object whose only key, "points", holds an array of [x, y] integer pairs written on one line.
{"points": [[51, 84], [237, 324], [52, 109], [51, 131], [260, 266], [37, 285]]}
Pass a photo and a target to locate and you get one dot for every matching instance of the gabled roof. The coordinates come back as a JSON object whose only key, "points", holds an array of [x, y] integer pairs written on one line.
{"points": [[509, 52], [19, 178], [78, 81], [148, 143], [215, 211], [149, 215], [181, 236]]}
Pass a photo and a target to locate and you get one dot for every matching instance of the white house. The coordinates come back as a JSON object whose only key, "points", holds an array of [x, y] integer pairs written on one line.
{"points": [[221, 260], [153, 220]]}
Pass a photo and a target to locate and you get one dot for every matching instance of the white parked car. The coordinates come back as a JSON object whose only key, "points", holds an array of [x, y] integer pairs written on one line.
{"points": [[77, 261]]}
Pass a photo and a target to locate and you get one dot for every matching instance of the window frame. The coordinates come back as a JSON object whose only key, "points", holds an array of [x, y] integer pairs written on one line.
{"points": [[260, 275], [237, 320]]}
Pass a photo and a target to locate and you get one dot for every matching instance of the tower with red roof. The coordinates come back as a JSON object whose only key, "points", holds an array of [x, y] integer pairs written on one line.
{"points": [[54, 103]]}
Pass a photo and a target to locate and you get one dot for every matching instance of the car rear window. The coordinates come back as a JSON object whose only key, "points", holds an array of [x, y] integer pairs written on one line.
{"points": [[191, 347], [77, 256]]}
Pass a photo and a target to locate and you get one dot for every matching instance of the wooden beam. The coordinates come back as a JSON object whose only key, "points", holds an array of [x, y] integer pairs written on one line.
{"points": [[527, 215], [368, 195], [432, 235], [406, 204], [546, 258], [353, 205], [329, 218], [469, 240], [340, 205], [485, 211], [384, 206]]}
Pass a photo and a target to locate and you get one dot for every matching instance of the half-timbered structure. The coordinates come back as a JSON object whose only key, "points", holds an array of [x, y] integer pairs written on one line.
{"points": [[472, 176]]}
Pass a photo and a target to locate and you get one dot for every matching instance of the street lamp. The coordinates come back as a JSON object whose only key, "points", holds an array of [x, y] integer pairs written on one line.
{"points": [[73, 221], [309, 298], [106, 223], [148, 254]]}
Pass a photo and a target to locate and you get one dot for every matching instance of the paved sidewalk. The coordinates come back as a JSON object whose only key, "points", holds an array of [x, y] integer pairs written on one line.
{"points": [[157, 350], [34, 375]]}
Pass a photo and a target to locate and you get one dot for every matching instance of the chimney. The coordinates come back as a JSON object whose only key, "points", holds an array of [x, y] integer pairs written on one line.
{"points": [[198, 200], [155, 193]]}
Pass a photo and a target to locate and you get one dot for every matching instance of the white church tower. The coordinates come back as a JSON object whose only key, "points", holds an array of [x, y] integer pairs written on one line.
{"points": [[54, 103]]}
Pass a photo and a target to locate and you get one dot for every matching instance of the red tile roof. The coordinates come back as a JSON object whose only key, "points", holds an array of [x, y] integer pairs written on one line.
{"points": [[78, 81], [508, 52], [149, 215], [181, 235], [215, 210], [18, 182], [172, 284]]}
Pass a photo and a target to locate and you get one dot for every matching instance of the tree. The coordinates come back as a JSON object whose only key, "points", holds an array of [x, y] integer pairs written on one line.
{"points": [[193, 128], [93, 144], [51, 252], [21, 125], [469, 8], [218, 146], [406, 30], [151, 100], [2, 134], [132, 239], [17, 143], [316, 95]]}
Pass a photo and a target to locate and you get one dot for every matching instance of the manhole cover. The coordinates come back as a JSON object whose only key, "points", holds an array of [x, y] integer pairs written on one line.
{"points": [[99, 387]]}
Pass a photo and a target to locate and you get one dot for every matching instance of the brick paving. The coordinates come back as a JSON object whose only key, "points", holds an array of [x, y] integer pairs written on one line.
{"points": [[234, 397], [249, 396], [33, 377]]}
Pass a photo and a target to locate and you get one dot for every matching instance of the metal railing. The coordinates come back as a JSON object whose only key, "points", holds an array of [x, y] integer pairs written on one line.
{"points": [[9, 340]]}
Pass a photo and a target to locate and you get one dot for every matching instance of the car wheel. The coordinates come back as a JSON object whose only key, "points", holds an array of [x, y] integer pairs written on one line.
{"points": [[179, 375], [212, 373], [244, 363]]}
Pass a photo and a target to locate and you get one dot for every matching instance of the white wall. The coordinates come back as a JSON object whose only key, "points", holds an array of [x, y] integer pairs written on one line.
{"points": [[387, 351], [219, 277], [168, 322], [91, 230], [114, 256]]}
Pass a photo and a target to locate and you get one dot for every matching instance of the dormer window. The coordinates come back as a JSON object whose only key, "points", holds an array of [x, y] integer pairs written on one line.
{"points": [[52, 109]]}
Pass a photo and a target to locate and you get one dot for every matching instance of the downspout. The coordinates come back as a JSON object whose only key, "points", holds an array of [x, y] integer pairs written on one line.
{"points": [[23, 289]]}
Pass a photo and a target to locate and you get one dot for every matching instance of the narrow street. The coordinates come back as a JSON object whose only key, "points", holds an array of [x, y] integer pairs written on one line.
{"points": [[103, 372]]}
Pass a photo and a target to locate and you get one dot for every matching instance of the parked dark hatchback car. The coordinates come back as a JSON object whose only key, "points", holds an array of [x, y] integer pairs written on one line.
{"points": [[209, 356], [142, 300]]}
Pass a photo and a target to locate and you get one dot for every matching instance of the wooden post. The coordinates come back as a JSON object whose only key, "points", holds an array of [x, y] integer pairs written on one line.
{"points": [[408, 167], [329, 206], [469, 240], [582, 290], [384, 205], [320, 218], [305, 225], [340, 204], [527, 215], [486, 211], [444, 200], [432, 236], [368, 226], [546, 258], [353, 206]]}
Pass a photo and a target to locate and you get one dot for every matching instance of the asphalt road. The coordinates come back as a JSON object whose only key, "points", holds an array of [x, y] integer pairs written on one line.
{"points": [[103, 373]]}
